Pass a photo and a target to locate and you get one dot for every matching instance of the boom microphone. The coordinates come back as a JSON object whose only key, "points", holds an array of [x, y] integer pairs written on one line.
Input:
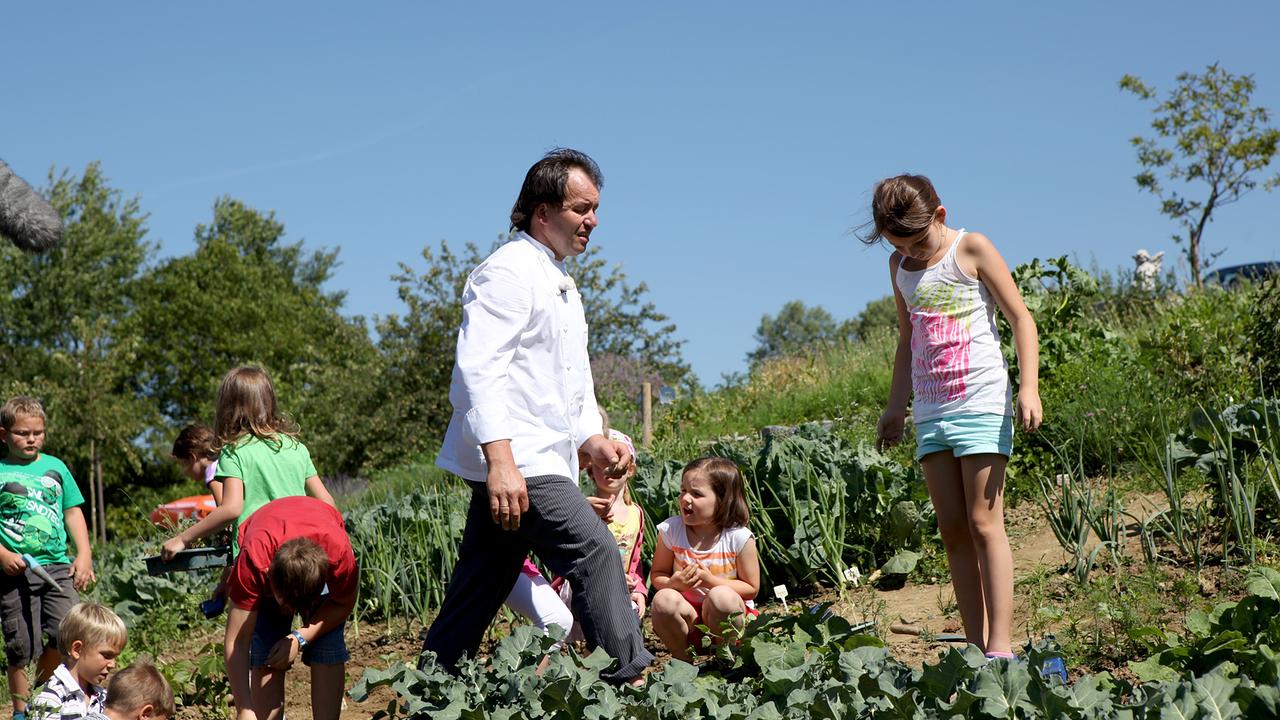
{"points": [[26, 219]]}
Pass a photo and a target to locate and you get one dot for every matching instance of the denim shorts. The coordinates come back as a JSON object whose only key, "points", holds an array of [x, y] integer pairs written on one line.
{"points": [[966, 435], [272, 625]]}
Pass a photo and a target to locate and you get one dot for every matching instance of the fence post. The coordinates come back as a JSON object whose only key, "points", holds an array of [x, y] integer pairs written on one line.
{"points": [[647, 413]]}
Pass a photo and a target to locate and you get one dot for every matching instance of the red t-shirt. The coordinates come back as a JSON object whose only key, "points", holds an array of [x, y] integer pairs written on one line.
{"points": [[278, 522]]}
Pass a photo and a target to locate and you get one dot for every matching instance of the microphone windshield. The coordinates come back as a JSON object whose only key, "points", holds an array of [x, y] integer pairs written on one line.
{"points": [[26, 219]]}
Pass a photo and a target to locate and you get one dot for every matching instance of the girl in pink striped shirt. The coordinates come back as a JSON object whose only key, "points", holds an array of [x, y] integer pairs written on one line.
{"points": [[705, 566]]}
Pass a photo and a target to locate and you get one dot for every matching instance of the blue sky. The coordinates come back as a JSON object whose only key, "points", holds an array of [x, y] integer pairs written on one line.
{"points": [[739, 140]]}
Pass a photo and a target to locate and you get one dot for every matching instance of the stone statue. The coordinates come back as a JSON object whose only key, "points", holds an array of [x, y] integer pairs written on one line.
{"points": [[1146, 269]]}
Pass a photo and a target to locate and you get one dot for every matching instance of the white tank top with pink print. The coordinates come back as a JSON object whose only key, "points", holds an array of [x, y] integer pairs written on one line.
{"points": [[956, 364]]}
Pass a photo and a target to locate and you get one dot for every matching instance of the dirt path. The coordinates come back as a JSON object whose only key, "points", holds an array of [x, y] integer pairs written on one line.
{"points": [[932, 607]]}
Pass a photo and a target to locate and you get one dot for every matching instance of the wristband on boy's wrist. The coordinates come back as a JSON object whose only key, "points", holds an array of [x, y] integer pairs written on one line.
{"points": [[302, 642]]}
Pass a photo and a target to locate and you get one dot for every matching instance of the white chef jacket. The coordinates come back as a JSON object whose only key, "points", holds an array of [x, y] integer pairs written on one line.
{"points": [[522, 372]]}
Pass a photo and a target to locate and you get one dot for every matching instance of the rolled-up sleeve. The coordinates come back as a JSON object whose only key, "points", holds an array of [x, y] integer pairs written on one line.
{"points": [[495, 312]]}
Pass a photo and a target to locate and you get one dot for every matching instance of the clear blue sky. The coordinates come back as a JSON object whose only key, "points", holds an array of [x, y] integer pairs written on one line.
{"points": [[739, 140]]}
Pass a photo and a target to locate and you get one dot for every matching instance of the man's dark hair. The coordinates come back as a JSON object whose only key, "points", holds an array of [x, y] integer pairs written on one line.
{"points": [[547, 181]]}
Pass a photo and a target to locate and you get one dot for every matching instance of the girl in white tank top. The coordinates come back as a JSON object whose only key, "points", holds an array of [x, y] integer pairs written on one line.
{"points": [[947, 284], [956, 364]]}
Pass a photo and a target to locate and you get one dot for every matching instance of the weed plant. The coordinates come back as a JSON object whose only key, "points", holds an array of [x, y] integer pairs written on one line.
{"points": [[406, 530]]}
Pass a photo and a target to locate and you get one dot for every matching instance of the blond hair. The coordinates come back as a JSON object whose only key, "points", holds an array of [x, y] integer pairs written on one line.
{"points": [[139, 685], [247, 406], [20, 406], [93, 624]]}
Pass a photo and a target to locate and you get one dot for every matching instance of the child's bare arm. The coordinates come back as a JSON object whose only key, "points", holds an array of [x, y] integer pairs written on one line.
{"points": [[660, 573], [991, 269], [215, 489], [316, 489], [889, 428], [220, 517], [82, 567], [329, 616]]}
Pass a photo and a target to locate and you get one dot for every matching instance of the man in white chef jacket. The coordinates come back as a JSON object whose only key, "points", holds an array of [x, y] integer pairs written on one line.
{"points": [[524, 409]]}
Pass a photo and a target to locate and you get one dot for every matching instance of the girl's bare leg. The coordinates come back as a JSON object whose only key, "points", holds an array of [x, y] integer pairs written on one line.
{"points": [[721, 604], [984, 488], [268, 693], [327, 684], [672, 617], [942, 474]]}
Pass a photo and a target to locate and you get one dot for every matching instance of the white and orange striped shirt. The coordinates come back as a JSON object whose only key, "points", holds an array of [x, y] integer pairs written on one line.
{"points": [[721, 558]]}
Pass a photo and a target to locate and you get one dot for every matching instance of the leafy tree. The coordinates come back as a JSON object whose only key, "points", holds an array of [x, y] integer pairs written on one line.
{"points": [[797, 328], [1207, 132], [418, 346], [630, 341], [65, 320], [247, 296], [878, 315]]}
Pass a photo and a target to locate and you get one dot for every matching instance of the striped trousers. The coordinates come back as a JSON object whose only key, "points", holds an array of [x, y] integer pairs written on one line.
{"points": [[568, 537]]}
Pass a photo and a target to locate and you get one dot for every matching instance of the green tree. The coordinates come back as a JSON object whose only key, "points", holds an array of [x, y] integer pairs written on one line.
{"points": [[65, 319], [877, 316], [796, 328], [247, 296], [412, 393], [1207, 133]]}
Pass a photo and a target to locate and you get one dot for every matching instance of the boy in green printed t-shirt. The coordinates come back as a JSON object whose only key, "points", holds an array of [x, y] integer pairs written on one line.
{"points": [[39, 508]]}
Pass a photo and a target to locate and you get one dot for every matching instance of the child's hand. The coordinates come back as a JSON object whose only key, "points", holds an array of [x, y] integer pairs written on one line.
{"points": [[639, 599], [283, 653], [1030, 414], [82, 572], [702, 577], [602, 506], [12, 563], [688, 577], [172, 547], [889, 429]]}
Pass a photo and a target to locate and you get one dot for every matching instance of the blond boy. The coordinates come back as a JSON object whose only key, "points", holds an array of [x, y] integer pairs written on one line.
{"points": [[90, 638], [138, 692], [39, 509]]}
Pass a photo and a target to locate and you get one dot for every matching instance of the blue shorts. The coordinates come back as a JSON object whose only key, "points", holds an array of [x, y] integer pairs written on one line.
{"points": [[966, 435], [272, 625]]}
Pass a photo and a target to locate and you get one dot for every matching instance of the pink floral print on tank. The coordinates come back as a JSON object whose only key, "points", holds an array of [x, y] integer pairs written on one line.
{"points": [[940, 340]]}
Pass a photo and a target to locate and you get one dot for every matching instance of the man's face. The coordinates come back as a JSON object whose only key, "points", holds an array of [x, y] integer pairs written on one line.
{"points": [[567, 229], [25, 438]]}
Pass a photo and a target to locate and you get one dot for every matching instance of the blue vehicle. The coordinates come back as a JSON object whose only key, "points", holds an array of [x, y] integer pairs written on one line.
{"points": [[1233, 276]]}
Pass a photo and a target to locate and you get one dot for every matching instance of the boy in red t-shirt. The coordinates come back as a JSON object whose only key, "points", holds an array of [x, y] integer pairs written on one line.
{"points": [[295, 558]]}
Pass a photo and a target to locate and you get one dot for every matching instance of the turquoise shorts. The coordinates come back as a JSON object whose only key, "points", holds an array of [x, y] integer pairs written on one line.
{"points": [[965, 435]]}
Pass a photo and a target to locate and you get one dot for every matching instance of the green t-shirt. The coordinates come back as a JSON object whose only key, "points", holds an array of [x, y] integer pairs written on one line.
{"points": [[34, 497], [270, 470]]}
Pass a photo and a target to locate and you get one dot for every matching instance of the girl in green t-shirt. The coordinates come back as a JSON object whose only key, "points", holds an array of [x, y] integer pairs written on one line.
{"points": [[260, 457]]}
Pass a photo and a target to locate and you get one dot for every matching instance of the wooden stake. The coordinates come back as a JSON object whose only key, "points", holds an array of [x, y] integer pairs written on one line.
{"points": [[647, 411]]}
